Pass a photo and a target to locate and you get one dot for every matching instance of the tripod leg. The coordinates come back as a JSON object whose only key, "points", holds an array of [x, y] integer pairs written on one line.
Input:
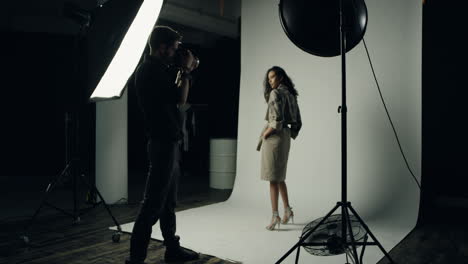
{"points": [[36, 213], [351, 234], [364, 247], [76, 211], [305, 236], [297, 255], [48, 190], [103, 201], [371, 235]]}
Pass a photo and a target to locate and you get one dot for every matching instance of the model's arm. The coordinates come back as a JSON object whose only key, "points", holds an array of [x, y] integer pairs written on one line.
{"points": [[275, 114]]}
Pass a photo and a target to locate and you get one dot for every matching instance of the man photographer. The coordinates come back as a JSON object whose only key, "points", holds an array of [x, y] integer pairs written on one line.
{"points": [[162, 84]]}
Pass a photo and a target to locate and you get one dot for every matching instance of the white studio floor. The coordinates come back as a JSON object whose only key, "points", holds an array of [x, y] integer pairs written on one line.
{"points": [[235, 230]]}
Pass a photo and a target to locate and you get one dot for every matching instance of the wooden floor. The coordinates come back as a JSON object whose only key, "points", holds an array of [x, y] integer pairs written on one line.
{"points": [[441, 239], [55, 239]]}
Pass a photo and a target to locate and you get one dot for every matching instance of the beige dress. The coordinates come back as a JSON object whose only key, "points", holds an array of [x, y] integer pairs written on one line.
{"points": [[284, 116]]}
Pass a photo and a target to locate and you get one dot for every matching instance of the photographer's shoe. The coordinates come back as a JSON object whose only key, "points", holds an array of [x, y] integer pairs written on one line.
{"points": [[128, 261], [179, 254], [176, 253]]}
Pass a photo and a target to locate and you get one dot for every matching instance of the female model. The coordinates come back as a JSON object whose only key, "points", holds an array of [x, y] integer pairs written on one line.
{"points": [[283, 122]]}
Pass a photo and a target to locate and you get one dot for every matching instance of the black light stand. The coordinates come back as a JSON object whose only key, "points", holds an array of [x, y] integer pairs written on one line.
{"points": [[71, 171], [344, 203], [72, 160]]}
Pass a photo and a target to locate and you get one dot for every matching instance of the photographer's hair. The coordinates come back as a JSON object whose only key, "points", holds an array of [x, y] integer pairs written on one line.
{"points": [[163, 35], [285, 80]]}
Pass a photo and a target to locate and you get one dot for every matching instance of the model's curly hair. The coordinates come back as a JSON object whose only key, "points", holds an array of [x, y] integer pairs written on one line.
{"points": [[285, 80]]}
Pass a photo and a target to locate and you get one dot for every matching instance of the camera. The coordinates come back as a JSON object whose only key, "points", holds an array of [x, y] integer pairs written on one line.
{"points": [[181, 55]]}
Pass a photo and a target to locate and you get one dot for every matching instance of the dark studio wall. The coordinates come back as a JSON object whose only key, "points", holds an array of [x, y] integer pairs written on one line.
{"points": [[39, 86], [444, 93], [47, 75]]}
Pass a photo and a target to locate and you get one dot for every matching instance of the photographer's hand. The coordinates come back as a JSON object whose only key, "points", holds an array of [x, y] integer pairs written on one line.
{"points": [[189, 62], [184, 77]]}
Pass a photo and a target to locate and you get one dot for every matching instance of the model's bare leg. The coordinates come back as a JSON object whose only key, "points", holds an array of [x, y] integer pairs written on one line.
{"points": [[283, 190], [274, 191], [274, 194], [288, 213]]}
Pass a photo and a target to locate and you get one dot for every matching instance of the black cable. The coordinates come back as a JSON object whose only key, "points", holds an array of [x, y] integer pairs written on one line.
{"points": [[454, 245], [389, 118]]}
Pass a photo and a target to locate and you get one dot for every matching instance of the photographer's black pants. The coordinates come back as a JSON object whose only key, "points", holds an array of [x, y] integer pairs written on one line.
{"points": [[159, 199]]}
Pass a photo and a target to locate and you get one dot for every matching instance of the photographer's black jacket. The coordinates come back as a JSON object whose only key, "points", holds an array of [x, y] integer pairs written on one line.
{"points": [[157, 97]]}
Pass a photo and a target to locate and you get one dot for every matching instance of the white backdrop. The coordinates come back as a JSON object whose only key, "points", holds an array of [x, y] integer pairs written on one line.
{"points": [[380, 187]]}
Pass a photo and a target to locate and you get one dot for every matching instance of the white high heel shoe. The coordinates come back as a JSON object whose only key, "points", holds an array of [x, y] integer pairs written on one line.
{"points": [[276, 220], [289, 214]]}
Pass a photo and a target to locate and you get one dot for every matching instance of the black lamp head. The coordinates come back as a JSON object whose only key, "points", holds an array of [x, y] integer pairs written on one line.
{"points": [[314, 25]]}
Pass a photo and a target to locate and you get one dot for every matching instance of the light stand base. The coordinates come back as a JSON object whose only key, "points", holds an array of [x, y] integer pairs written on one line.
{"points": [[77, 213], [346, 207]]}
